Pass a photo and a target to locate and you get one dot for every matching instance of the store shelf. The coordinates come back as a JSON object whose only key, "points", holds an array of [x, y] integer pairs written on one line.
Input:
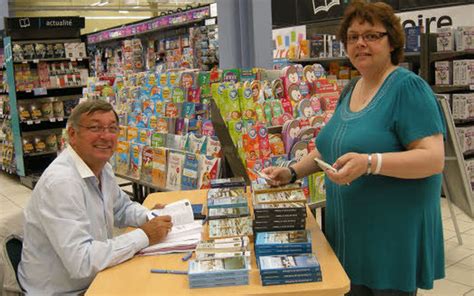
{"points": [[319, 60], [449, 55], [141, 182], [451, 88], [40, 153], [51, 92], [35, 61]]}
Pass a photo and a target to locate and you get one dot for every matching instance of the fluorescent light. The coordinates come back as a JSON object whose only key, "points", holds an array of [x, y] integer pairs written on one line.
{"points": [[102, 3], [123, 11], [115, 17], [95, 4]]}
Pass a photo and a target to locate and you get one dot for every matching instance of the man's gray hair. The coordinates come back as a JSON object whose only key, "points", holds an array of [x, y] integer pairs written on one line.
{"points": [[89, 107]]}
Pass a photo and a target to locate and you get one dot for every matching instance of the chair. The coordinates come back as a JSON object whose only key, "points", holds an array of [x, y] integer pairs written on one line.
{"points": [[12, 247]]}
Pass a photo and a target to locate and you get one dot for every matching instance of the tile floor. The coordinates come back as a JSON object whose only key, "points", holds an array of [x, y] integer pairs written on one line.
{"points": [[459, 279]]}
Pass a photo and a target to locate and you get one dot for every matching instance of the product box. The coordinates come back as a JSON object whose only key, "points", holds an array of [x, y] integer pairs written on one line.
{"points": [[445, 39], [443, 73], [465, 138], [464, 37], [463, 72], [463, 106]]}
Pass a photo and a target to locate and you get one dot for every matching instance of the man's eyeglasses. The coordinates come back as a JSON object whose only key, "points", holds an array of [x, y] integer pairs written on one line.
{"points": [[367, 37], [97, 129]]}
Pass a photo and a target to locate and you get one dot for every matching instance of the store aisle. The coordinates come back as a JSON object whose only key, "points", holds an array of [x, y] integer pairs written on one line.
{"points": [[459, 279]]}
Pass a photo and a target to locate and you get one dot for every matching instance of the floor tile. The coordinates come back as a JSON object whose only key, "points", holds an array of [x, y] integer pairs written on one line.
{"points": [[463, 226], [21, 199], [461, 273], [469, 293], [454, 253], [445, 288]]}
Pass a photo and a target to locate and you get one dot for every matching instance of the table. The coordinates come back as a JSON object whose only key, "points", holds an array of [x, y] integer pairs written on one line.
{"points": [[133, 277]]}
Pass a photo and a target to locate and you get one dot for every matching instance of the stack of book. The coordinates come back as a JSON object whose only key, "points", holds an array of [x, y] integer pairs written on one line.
{"points": [[278, 208], [226, 198], [233, 271], [228, 212], [223, 248], [289, 269], [282, 243]]}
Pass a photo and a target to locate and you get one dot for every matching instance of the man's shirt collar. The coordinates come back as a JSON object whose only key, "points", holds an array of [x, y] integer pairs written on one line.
{"points": [[81, 166]]}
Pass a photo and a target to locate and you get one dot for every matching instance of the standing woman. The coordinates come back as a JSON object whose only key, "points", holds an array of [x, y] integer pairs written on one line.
{"points": [[383, 215]]}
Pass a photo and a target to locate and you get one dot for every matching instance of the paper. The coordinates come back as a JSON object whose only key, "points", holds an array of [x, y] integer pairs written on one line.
{"points": [[181, 212]]}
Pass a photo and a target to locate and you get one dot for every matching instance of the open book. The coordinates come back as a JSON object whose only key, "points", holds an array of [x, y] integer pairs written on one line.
{"points": [[184, 235]]}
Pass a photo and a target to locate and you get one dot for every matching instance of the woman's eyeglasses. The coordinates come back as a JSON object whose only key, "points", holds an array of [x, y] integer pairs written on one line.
{"points": [[367, 37]]}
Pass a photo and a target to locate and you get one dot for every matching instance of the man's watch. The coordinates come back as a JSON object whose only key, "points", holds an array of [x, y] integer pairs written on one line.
{"points": [[294, 177]]}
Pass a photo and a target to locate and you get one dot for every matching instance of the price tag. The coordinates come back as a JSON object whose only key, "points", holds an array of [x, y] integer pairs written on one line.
{"points": [[73, 59], [210, 22], [28, 90], [24, 62], [59, 119], [29, 122], [37, 121], [36, 61], [471, 87], [40, 91], [79, 60], [52, 119]]}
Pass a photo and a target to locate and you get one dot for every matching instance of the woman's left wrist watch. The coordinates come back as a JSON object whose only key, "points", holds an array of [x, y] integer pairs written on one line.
{"points": [[294, 177]]}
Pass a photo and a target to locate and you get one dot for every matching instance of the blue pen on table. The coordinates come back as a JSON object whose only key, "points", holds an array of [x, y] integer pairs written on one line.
{"points": [[187, 257], [170, 271], [154, 214]]}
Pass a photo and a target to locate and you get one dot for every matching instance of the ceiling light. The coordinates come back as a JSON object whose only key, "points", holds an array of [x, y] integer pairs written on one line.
{"points": [[115, 17], [102, 3], [123, 11]]}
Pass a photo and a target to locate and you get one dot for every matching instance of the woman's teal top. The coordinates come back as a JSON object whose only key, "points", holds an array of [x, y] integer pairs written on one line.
{"points": [[387, 232]]}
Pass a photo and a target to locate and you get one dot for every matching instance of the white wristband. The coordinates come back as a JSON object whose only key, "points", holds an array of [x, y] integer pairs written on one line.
{"points": [[369, 164], [379, 164]]}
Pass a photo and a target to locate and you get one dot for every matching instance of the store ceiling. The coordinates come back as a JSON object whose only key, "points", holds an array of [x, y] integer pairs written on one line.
{"points": [[156, 6]]}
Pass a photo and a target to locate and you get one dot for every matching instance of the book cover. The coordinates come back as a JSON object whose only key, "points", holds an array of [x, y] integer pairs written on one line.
{"points": [[288, 263], [174, 170], [147, 164], [159, 167], [230, 227], [222, 213], [190, 172], [209, 169], [281, 197], [196, 143], [122, 159], [297, 238], [135, 160]]}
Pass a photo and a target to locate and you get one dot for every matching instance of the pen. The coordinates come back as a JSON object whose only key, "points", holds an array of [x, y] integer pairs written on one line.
{"points": [[154, 214], [187, 257], [168, 271]]}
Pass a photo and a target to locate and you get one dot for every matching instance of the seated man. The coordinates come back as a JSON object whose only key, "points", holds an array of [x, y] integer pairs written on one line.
{"points": [[70, 217]]}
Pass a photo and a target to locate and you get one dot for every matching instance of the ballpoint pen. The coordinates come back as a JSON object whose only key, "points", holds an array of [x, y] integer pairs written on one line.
{"points": [[187, 256], [170, 271]]}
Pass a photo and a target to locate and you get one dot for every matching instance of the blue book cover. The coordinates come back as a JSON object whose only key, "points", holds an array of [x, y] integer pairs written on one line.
{"points": [[413, 43], [189, 110], [218, 267], [288, 263], [190, 172]]}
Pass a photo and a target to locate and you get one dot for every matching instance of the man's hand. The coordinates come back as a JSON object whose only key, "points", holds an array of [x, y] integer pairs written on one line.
{"points": [[157, 228], [158, 206]]}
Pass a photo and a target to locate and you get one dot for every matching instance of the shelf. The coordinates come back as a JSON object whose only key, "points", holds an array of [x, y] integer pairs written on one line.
{"points": [[56, 88], [451, 88], [35, 61], [316, 60], [141, 182], [448, 55], [463, 122], [39, 153]]}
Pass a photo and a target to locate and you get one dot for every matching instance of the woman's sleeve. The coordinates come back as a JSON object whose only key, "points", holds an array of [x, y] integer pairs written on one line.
{"points": [[417, 111]]}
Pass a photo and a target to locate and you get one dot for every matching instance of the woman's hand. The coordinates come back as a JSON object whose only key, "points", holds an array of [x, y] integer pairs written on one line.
{"points": [[350, 166], [278, 175]]}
